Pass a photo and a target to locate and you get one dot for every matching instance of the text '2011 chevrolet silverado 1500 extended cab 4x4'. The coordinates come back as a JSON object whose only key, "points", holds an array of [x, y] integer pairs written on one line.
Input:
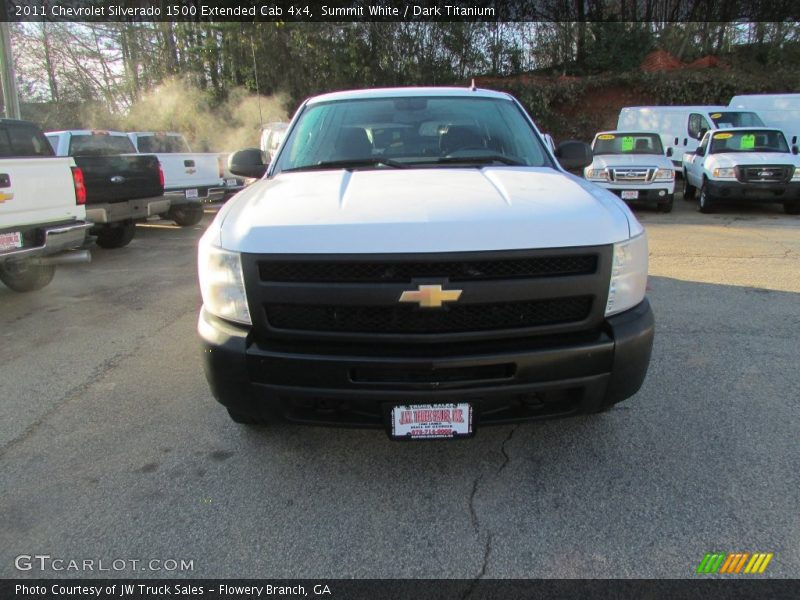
{"points": [[122, 187], [417, 259], [42, 213]]}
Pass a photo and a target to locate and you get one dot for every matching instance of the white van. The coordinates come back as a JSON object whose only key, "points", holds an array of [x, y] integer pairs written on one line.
{"points": [[682, 127], [776, 110]]}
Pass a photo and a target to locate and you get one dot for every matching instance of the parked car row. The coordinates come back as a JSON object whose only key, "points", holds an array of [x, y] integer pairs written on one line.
{"points": [[60, 190], [723, 153]]}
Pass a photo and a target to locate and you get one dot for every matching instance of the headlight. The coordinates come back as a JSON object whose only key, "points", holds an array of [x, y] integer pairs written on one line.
{"points": [[628, 275], [665, 174], [222, 283], [796, 173], [726, 173], [596, 174]]}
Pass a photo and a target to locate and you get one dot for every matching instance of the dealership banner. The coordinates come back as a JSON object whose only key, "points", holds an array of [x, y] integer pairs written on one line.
{"points": [[388, 589], [397, 10]]}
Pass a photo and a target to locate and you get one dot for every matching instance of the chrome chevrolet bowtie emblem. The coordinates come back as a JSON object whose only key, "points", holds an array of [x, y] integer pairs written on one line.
{"points": [[430, 296]]}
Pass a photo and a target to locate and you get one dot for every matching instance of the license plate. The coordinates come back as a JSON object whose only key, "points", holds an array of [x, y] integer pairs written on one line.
{"points": [[230, 182], [431, 421], [630, 194], [10, 240], [191, 193]]}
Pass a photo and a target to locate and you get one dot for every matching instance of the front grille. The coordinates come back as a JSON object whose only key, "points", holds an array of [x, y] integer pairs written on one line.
{"points": [[402, 272], [632, 174], [765, 173], [399, 319]]}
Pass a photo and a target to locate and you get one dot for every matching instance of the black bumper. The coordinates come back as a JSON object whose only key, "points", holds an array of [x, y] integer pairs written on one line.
{"points": [[754, 191], [527, 380], [648, 195]]}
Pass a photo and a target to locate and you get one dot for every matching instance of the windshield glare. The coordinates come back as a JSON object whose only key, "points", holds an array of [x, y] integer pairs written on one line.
{"points": [[736, 119], [415, 131], [748, 141], [627, 143]]}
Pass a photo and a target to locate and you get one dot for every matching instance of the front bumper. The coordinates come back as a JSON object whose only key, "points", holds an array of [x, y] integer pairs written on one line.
{"points": [[48, 240], [509, 382], [755, 191]]}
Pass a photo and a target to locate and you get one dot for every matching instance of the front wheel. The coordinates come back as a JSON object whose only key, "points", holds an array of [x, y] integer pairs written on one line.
{"points": [[706, 203], [665, 207], [186, 215], [689, 190], [791, 208], [116, 237], [26, 276]]}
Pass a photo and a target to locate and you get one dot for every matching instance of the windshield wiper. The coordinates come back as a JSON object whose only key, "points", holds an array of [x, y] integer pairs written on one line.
{"points": [[482, 159], [350, 164]]}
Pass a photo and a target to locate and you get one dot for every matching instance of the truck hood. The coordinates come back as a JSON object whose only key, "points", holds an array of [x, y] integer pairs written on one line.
{"points": [[732, 159], [421, 210], [602, 161]]}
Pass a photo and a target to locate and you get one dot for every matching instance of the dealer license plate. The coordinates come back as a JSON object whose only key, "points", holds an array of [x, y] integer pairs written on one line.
{"points": [[630, 194], [230, 182], [191, 193], [10, 240], [431, 421]]}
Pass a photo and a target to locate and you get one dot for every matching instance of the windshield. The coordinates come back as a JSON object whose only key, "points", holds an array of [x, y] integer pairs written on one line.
{"points": [[411, 131], [627, 143], [724, 120], [748, 141], [162, 144], [100, 144]]}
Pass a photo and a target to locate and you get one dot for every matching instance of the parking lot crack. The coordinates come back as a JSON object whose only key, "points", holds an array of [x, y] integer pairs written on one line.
{"points": [[487, 551], [506, 456]]}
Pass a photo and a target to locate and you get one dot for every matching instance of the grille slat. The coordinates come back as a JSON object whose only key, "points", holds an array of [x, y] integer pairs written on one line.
{"points": [[407, 320], [765, 173], [402, 272]]}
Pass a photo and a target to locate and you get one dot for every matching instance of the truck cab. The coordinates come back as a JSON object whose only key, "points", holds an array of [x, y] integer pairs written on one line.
{"points": [[634, 166], [744, 164], [418, 260]]}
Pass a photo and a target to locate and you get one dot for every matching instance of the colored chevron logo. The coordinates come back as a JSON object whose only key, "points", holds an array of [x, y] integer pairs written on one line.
{"points": [[734, 563]]}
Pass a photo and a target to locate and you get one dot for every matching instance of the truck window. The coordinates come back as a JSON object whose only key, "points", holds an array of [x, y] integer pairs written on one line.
{"points": [[98, 144], [756, 140], [628, 143], [423, 130], [22, 140], [736, 119], [697, 123], [162, 144]]}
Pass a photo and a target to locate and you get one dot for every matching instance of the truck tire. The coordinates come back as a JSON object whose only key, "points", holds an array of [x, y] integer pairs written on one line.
{"points": [[689, 191], [666, 207], [706, 202], [186, 215], [26, 277], [116, 237], [791, 208]]}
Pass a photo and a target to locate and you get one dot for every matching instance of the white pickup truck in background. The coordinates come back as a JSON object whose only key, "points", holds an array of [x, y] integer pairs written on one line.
{"points": [[745, 164], [190, 178], [42, 212]]}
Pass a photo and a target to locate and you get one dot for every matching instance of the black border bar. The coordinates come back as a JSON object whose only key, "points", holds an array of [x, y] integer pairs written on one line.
{"points": [[400, 10]]}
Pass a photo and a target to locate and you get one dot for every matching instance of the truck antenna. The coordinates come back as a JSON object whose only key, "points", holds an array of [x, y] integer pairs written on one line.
{"points": [[255, 75]]}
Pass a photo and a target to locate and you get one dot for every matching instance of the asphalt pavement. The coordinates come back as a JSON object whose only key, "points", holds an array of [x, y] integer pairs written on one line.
{"points": [[112, 448]]}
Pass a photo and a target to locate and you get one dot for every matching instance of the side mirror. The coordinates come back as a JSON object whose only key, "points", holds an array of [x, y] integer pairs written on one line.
{"points": [[573, 155], [795, 150], [669, 151], [699, 151], [247, 163]]}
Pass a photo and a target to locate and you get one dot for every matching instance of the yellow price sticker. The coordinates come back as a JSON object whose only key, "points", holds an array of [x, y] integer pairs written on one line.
{"points": [[716, 115], [722, 136], [606, 136]]}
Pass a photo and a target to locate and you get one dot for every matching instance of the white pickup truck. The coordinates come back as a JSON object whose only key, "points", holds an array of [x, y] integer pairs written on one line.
{"points": [[634, 166], [42, 213], [753, 164], [190, 178], [417, 259]]}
